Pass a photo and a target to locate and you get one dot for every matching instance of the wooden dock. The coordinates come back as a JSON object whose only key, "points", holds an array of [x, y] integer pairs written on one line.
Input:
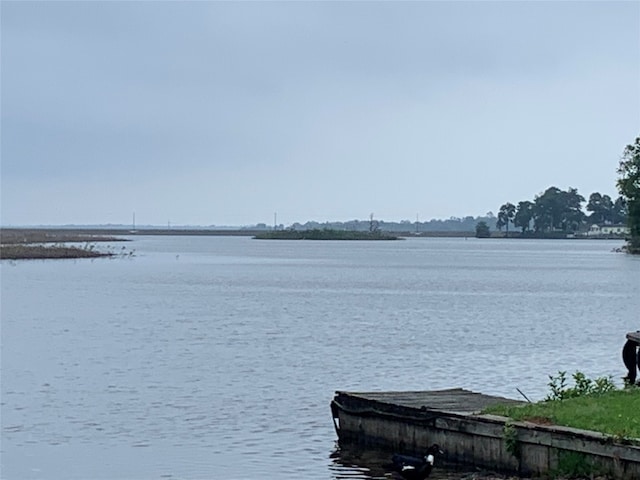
{"points": [[456, 400], [411, 421]]}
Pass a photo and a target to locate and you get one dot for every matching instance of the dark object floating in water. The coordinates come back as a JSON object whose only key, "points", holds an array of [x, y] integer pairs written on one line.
{"points": [[415, 468]]}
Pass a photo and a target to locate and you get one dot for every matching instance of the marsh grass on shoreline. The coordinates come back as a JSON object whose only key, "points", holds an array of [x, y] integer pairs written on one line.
{"points": [[35, 244], [14, 236], [26, 252]]}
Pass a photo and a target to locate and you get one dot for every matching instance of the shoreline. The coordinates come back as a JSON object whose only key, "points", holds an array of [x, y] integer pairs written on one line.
{"points": [[47, 252], [51, 244], [94, 234], [23, 243]]}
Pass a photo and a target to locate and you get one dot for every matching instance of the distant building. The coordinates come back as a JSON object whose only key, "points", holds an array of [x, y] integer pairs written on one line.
{"points": [[608, 230]]}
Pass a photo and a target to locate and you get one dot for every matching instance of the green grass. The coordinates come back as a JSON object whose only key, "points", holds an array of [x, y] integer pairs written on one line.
{"points": [[615, 413]]}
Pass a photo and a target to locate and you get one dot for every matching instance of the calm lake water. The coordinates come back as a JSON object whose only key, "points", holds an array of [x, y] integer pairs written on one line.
{"points": [[217, 357]]}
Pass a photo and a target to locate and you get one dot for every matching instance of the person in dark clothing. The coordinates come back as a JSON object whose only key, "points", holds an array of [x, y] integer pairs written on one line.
{"points": [[631, 359]]}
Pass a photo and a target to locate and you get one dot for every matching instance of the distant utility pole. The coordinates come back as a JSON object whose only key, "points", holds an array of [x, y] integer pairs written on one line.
{"points": [[373, 224], [275, 220]]}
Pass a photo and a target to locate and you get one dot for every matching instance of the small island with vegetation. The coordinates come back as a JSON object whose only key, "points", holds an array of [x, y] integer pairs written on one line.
{"points": [[324, 234], [32, 244]]}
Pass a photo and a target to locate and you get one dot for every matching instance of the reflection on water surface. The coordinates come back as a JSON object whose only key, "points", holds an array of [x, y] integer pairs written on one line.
{"points": [[350, 462]]}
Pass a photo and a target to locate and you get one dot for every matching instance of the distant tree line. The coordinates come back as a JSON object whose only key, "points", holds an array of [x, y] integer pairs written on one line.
{"points": [[560, 212], [324, 234], [554, 212], [453, 224]]}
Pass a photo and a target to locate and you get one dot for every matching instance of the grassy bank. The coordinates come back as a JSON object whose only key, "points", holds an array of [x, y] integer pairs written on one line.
{"points": [[596, 405], [614, 413]]}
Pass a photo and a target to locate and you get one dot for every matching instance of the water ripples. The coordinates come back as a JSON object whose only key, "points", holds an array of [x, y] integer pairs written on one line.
{"points": [[186, 367]]}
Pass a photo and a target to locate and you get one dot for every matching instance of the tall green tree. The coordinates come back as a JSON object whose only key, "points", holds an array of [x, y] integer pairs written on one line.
{"points": [[558, 210], [524, 215], [604, 210], [601, 208], [482, 230], [572, 215], [505, 216], [629, 187], [620, 211], [547, 210]]}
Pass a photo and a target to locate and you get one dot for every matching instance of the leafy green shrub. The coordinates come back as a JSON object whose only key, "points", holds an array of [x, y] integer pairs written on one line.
{"points": [[583, 386], [511, 442], [574, 465]]}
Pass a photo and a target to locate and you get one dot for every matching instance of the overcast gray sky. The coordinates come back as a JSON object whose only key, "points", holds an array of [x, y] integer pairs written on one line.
{"points": [[222, 113]]}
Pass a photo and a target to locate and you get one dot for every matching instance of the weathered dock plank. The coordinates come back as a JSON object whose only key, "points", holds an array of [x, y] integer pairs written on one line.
{"points": [[452, 400]]}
